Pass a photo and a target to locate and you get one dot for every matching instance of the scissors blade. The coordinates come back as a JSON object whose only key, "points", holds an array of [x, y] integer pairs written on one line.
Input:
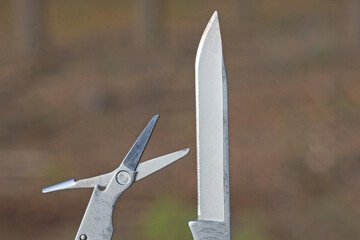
{"points": [[68, 184], [146, 168], [212, 136], [133, 157], [101, 180], [131, 161], [143, 170]]}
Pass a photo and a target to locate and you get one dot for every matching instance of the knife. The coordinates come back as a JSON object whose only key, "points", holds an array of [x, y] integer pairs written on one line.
{"points": [[212, 138]]}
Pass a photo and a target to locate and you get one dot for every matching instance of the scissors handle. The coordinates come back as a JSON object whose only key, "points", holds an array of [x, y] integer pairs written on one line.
{"points": [[97, 220]]}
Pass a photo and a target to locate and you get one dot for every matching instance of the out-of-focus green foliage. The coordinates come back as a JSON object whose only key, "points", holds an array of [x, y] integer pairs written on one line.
{"points": [[251, 226], [167, 218], [249, 233]]}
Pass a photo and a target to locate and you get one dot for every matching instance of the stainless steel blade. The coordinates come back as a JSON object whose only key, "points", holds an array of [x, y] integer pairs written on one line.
{"points": [[101, 181], [146, 168], [212, 137], [211, 116], [132, 159], [143, 170], [68, 184]]}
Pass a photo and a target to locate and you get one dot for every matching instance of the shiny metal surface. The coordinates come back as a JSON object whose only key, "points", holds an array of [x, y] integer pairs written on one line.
{"points": [[146, 168], [212, 137], [97, 220], [143, 170], [133, 157]]}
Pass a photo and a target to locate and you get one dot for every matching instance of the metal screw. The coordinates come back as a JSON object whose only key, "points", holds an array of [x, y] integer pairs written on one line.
{"points": [[123, 177], [83, 237]]}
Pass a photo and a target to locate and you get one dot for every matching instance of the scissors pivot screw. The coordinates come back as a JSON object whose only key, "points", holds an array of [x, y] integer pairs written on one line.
{"points": [[83, 237], [123, 177]]}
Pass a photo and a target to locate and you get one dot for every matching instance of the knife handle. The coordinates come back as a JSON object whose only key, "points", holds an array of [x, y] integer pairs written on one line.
{"points": [[205, 230]]}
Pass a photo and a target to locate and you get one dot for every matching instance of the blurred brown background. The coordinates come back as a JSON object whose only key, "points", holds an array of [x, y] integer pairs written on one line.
{"points": [[80, 79]]}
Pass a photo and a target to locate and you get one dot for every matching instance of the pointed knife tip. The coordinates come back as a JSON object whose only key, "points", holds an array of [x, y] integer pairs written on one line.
{"points": [[214, 18], [215, 14], [213, 23]]}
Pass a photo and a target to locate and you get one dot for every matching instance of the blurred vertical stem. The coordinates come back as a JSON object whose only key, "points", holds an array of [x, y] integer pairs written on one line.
{"points": [[29, 29], [148, 22], [353, 22]]}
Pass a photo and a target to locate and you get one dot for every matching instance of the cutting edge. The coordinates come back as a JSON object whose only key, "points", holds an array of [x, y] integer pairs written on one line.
{"points": [[204, 227]]}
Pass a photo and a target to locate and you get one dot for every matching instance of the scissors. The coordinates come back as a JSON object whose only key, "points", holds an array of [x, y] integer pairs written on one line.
{"points": [[97, 220]]}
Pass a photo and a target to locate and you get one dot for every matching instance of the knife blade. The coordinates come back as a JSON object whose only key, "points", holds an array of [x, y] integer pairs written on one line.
{"points": [[212, 137]]}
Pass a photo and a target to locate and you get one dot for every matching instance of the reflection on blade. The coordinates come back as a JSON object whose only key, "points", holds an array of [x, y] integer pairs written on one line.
{"points": [[101, 181], [212, 138], [59, 186], [146, 168], [211, 120], [133, 157]]}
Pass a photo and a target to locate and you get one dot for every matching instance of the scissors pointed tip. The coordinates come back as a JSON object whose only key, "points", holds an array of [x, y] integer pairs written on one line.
{"points": [[59, 186], [133, 157], [154, 119]]}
